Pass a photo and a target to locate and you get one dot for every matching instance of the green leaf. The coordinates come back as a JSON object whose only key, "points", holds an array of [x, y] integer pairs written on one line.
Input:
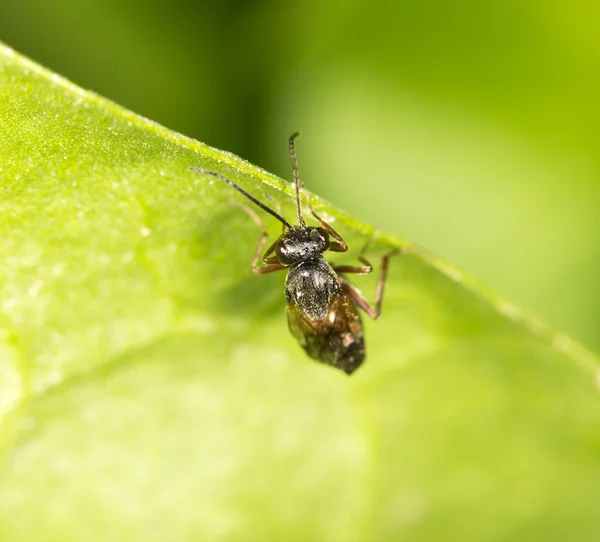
{"points": [[150, 389]]}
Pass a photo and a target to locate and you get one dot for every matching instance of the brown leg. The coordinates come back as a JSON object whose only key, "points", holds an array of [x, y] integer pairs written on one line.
{"points": [[359, 270], [268, 269], [273, 264], [356, 295], [277, 207], [339, 245]]}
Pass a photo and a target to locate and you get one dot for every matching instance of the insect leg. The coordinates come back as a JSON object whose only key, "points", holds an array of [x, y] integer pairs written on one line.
{"points": [[273, 264], [357, 296], [359, 270], [339, 245], [268, 269], [277, 206]]}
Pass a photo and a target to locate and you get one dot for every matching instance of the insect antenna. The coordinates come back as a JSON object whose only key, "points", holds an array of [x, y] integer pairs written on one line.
{"points": [[296, 179], [242, 191]]}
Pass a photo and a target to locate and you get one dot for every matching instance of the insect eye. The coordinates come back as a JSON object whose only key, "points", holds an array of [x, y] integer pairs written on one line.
{"points": [[283, 247], [323, 236]]}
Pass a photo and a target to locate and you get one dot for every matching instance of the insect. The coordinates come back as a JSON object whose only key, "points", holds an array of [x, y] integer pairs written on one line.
{"points": [[321, 304]]}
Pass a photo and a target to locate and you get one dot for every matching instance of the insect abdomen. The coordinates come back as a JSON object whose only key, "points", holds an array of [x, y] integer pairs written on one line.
{"points": [[322, 318]]}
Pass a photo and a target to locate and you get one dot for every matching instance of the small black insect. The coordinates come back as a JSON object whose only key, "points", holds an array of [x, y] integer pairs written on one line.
{"points": [[321, 303]]}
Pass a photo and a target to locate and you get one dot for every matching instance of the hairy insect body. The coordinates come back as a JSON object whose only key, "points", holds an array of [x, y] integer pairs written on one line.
{"points": [[322, 317], [321, 304], [312, 286]]}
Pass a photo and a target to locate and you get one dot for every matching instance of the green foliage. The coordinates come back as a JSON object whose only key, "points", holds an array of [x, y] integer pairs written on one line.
{"points": [[150, 390], [474, 123]]}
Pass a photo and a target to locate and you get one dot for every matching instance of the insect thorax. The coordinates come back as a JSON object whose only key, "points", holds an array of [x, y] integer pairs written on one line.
{"points": [[312, 286]]}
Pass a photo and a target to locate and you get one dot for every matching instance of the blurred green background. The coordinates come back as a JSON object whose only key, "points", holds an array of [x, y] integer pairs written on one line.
{"points": [[470, 128]]}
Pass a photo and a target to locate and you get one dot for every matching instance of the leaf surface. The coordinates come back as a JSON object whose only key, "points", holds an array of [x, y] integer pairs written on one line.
{"points": [[150, 389]]}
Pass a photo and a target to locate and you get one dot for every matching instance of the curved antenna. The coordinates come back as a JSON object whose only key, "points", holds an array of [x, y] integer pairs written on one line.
{"points": [[242, 191], [296, 179]]}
